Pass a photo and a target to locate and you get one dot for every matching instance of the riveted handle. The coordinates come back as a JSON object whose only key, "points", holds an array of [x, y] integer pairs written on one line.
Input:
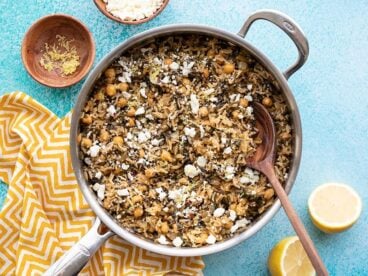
{"points": [[290, 27], [73, 261]]}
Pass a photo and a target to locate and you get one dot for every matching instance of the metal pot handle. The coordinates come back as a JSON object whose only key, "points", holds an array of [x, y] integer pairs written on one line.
{"points": [[73, 261], [290, 27]]}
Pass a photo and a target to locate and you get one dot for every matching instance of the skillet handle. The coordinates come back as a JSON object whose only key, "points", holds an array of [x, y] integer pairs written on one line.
{"points": [[290, 27], [73, 261]]}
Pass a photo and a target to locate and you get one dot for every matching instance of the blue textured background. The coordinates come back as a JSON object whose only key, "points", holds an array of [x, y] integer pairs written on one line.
{"points": [[331, 91]]}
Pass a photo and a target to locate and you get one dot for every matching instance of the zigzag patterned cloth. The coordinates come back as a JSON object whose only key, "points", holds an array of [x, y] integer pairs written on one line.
{"points": [[45, 213]]}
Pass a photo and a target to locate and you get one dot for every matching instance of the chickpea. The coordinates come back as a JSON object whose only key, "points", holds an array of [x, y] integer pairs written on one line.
{"points": [[203, 111], [164, 228], [150, 172], [123, 86], [202, 238], [122, 102], [131, 122], [104, 135], [111, 90], [268, 194], [206, 73], [138, 212], [186, 81], [142, 188], [118, 140], [99, 96], [228, 68], [267, 102], [240, 210], [131, 112], [211, 53], [235, 114], [87, 143], [243, 102], [166, 156], [168, 61], [137, 198], [87, 120], [285, 135], [110, 73], [110, 80]]}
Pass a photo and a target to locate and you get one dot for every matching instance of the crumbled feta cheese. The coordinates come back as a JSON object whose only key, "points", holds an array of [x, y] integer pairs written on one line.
{"points": [[101, 192], [187, 68], [194, 103], [190, 131], [142, 161], [150, 117], [161, 193], [129, 136], [174, 66], [166, 80], [156, 142], [211, 239], [234, 97], [95, 187], [232, 215], [191, 171], [111, 110], [177, 242], [126, 77], [123, 192], [218, 212], [201, 161], [144, 136], [214, 99], [239, 224], [94, 150], [126, 95], [162, 240], [250, 176], [124, 166], [98, 175], [166, 209], [132, 10], [88, 161], [249, 111], [229, 172], [227, 150], [248, 97], [140, 111], [223, 140], [175, 194], [142, 91], [249, 86]]}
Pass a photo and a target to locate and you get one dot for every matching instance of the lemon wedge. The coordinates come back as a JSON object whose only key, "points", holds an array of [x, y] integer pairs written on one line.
{"points": [[334, 207], [288, 258]]}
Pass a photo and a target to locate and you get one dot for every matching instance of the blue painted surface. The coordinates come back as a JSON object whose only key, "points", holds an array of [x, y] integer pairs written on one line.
{"points": [[331, 91]]}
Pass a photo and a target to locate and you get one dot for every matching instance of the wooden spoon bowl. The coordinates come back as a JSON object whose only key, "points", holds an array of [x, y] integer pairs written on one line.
{"points": [[44, 31], [101, 5]]}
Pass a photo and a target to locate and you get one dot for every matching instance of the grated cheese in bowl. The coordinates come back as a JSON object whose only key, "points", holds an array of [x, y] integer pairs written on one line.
{"points": [[129, 10]]}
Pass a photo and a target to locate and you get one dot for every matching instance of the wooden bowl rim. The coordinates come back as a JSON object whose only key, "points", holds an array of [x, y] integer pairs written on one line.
{"points": [[86, 68], [102, 7]]}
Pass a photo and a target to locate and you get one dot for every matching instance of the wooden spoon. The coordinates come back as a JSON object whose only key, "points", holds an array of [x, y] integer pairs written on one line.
{"points": [[263, 161]]}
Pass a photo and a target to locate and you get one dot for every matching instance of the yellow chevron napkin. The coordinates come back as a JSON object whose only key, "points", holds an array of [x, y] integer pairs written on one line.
{"points": [[45, 213]]}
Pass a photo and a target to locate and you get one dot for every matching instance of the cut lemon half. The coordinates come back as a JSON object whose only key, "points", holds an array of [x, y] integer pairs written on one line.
{"points": [[334, 207], [288, 258]]}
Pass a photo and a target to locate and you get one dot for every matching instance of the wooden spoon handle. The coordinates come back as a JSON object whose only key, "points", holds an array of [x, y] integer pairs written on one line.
{"points": [[298, 225]]}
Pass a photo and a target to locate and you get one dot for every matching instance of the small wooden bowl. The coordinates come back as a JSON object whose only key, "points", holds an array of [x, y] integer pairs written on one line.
{"points": [[101, 5], [44, 31]]}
